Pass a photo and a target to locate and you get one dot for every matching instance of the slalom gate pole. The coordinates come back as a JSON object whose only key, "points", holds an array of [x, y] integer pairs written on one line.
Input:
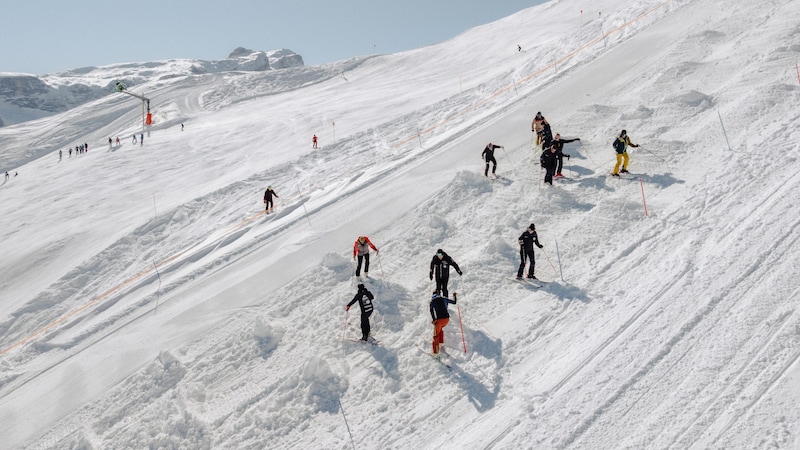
{"points": [[641, 183], [348, 426], [558, 253], [513, 165], [380, 265], [723, 131]]}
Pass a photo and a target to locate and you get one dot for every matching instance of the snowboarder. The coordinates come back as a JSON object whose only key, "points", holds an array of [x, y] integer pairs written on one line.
{"points": [[549, 161], [440, 318], [621, 144], [537, 126], [526, 242], [488, 156], [314, 141], [364, 298], [558, 143], [440, 266], [268, 194], [361, 250]]}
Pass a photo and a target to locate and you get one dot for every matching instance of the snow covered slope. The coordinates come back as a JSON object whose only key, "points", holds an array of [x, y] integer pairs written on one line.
{"points": [[147, 301]]}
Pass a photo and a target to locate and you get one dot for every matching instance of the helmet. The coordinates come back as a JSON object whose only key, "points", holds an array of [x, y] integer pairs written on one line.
{"points": [[623, 133], [435, 295], [361, 285], [362, 239], [532, 227]]}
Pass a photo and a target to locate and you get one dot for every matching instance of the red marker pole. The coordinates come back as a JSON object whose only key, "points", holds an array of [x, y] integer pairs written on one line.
{"points": [[463, 341], [641, 183]]}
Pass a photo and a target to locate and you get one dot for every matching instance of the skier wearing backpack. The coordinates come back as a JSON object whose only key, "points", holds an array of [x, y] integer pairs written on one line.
{"points": [[621, 144], [526, 242], [558, 144], [268, 194], [440, 318], [549, 161], [364, 298], [537, 126], [440, 266], [488, 156], [361, 249]]}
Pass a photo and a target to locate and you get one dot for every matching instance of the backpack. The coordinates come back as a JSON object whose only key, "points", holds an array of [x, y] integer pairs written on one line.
{"points": [[619, 145]]}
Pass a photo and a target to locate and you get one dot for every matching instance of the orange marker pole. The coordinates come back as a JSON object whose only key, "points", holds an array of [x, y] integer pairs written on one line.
{"points": [[641, 183]]}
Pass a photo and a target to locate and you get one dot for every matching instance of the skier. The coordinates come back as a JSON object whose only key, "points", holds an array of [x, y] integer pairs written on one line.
{"points": [[488, 156], [558, 143], [141, 139], [440, 264], [361, 249], [110, 142], [526, 242], [181, 127], [117, 141], [134, 138], [70, 152], [59, 155], [441, 318], [268, 194], [7, 175], [546, 136], [549, 161], [86, 148], [314, 141], [621, 144], [538, 125], [364, 298]]}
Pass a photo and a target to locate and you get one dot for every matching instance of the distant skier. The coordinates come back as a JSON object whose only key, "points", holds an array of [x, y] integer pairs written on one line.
{"points": [[110, 143], [546, 136], [86, 148], [59, 155], [558, 144], [440, 318], [70, 152], [364, 298], [361, 250], [621, 144], [314, 141], [526, 242], [268, 194], [7, 175], [134, 138], [440, 266], [181, 127], [141, 139], [549, 161], [488, 156], [117, 141]]}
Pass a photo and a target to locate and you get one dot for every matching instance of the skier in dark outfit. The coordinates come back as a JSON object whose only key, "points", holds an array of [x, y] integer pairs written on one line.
{"points": [[558, 143], [364, 298], [526, 241], [488, 156], [549, 162], [268, 194], [546, 136], [441, 318], [440, 266]]}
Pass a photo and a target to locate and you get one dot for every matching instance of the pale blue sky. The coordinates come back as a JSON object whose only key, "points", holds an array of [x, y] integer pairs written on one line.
{"points": [[47, 36]]}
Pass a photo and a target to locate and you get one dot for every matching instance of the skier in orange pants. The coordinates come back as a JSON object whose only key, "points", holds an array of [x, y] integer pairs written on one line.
{"points": [[441, 318]]}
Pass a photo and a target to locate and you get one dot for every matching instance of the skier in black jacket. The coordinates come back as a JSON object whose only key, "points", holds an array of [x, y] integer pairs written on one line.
{"points": [[440, 317], [440, 266], [364, 298], [488, 156], [526, 241], [268, 194], [558, 143], [549, 162]]}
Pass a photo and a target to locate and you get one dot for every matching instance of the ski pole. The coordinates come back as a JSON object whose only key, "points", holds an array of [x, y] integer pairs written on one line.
{"points": [[548, 260], [344, 328], [461, 324], [381, 267], [558, 253]]}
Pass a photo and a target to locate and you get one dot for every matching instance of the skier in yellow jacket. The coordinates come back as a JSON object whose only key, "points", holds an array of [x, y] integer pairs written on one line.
{"points": [[621, 144]]}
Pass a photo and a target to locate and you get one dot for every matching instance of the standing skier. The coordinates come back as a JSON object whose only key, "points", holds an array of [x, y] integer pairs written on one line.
{"points": [[268, 194], [526, 242], [621, 144], [488, 156], [440, 266], [549, 161], [537, 126], [314, 141], [364, 298], [558, 143], [440, 318], [361, 250]]}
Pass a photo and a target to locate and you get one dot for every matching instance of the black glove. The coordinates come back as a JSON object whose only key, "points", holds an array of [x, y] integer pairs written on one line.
{"points": [[347, 308], [459, 272], [540, 245], [455, 297], [578, 139], [431, 275], [567, 156]]}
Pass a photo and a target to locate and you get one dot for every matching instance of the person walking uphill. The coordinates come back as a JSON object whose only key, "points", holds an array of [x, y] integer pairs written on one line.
{"points": [[549, 161], [488, 156], [440, 318], [558, 143], [361, 250], [364, 298], [526, 242], [621, 144], [440, 266], [268, 194]]}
